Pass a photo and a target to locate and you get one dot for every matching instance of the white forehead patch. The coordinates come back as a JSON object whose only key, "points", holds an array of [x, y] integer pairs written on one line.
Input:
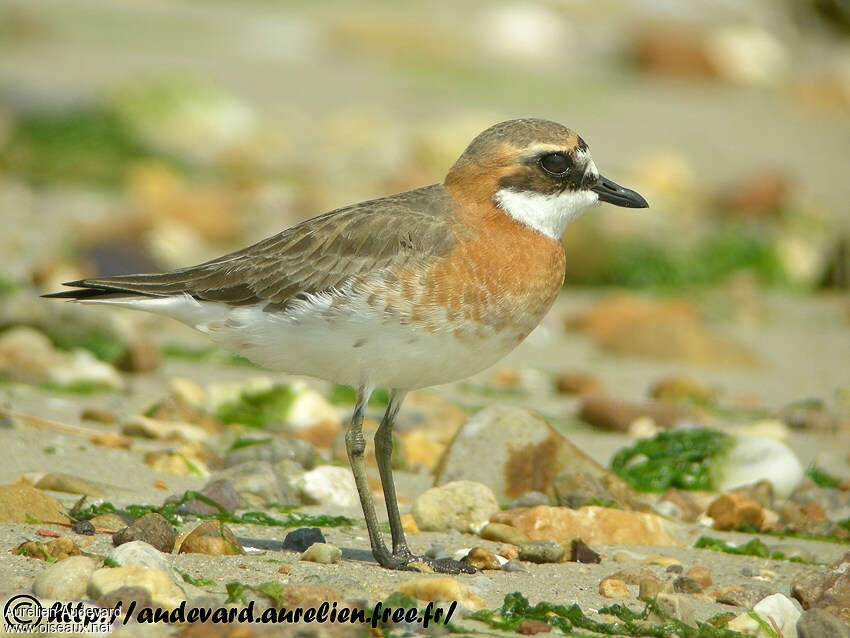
{"points": [[548, 214]]}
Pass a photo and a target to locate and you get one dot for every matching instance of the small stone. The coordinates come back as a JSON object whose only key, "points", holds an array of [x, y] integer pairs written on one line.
{"points": [[676, 606], [509, 551], [613, 588], [501, 533], [595, 525], [58, 482], [328, 485], [686, 508], [273, 449], [686, 585], [633, 575], [674, 569], [441, 588], [174, 410], [25, 504], [213, 538], [465, 506], [190, 459], [617, 414], [579, 383], [162, 590], [219, 491], [298, 540], [187, 392], [678, 388], [151, 528], [126, 595], [436, 552], [141, 355], [529, 499], [777, 610], [818, 623], [324, 553], [408, 524], [58, 549], [730, 510], [65, 580], [745, 597], [701, 575], [541, 551], [139, 553], [258, 484], [513, 565], [107, 417], [533, 626], [84, 528], [580, 552], [481, 558], [111, 521], [651, 587], [148, 428]]}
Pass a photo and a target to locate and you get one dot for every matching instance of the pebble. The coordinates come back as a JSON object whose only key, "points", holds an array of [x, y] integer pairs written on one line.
{"points": [[148, 428], [701, 575], [746, 597], [328, 485], [436, 552], [213, 538], [613, 588], [633, 575], [84, 528], [481, 558], [324, 553], [679, 388], [273, 449], [617, 415], [580, 552], [676, 606], [530, 499], [595, 525], [23, 503], [674, 569], [65, 580], [686, 585], [157, 583], [777, 610], [298, 540], [126, 595], [258, 484], [830, 590], [139, 553], [501, 533], [508, 551], [111, 520], [141, 355], [513, 565], [106, 417], [533, 626], [219, 491], [408, 524], [730, 510], [651, 587], [58, 482], [152, 528], [465, 506], [441, 588], [541, 551], [184, 461], [579, 383], [817, 623], [58, 548], [756, 458]]}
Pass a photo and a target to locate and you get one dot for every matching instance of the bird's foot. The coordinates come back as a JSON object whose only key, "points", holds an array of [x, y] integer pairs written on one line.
{"points": [[405, 560]]}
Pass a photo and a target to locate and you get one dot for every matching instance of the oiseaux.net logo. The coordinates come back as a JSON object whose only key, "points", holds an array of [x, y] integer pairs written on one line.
{"points": [[26, 614]]}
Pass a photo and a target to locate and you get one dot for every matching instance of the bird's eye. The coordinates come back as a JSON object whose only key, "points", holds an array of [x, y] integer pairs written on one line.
{"points": [[554, 163]]}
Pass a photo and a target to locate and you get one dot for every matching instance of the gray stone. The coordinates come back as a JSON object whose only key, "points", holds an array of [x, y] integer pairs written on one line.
{"points": [[151, 528], [258, 484], [530, 499], [298, 540], [676, 606], [514, 565], [686, 585], [542, 551], [65, 580], [818, 623], [219, 491], [746, 597], [273, 450], [464, 506], [138, 553], [501, 533], [514, 451], [322, 553]]}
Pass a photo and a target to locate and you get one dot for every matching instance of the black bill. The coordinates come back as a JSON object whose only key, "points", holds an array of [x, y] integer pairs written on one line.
{"points": [[613, 193]]}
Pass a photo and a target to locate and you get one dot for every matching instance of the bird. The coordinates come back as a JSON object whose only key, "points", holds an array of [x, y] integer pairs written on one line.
{"points": [[403, 292]]}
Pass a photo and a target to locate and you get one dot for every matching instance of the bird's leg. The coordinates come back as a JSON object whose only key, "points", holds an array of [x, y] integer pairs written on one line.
{"points": [[383, 455], [355, 445]]}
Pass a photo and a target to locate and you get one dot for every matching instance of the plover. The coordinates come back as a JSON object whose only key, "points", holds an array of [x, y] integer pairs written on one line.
{"points": [[402, 292]]}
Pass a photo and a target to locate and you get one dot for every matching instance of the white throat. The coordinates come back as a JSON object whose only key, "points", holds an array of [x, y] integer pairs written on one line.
{"points": [[548, 214]]}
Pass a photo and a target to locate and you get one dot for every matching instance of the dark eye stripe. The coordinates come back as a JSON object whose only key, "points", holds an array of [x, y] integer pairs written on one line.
{"points": [[555, 163]]}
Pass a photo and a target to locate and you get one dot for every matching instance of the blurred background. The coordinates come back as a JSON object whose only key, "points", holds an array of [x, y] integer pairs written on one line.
{"points": [[151, 134]]}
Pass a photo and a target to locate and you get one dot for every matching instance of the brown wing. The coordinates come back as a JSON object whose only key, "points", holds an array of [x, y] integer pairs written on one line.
{"points": [[317, 255]]}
